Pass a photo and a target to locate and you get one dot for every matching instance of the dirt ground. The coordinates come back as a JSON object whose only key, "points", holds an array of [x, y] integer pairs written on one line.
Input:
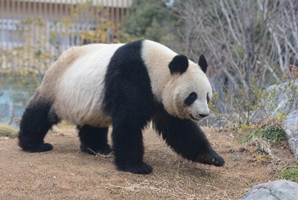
{"points": [[67, 173]]}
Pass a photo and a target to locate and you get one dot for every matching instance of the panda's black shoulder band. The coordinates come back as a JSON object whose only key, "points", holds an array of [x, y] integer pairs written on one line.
{"points": [[179, 64]]}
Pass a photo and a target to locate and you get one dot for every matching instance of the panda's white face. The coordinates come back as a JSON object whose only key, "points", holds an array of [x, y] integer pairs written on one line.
{"points": [[178, 83], [187, 95]]}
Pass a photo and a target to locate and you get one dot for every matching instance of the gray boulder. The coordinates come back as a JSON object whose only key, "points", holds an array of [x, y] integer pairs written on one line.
{"points": [[276, 190], [281, 99], [290, 125]]}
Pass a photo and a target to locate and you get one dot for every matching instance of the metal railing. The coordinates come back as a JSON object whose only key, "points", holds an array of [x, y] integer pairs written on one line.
{"points": [[34, 32]]}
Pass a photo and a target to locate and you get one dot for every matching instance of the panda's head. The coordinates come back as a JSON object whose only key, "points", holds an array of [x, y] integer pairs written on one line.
{"points": [[188, 92]]}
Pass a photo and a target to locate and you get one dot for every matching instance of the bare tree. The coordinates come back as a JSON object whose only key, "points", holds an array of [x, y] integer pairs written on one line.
{"points": [[250, 42], [246, 39]]}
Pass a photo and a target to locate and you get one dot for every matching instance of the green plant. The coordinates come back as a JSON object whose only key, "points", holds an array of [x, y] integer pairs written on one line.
{"points": [[290, 172], [213, 105], [7, 131], [270, 131], [263, 104]]}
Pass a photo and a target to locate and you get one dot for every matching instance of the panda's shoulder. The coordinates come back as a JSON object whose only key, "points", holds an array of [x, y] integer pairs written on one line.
{"points": [[141, 45], [154, 49], [130, 48]]}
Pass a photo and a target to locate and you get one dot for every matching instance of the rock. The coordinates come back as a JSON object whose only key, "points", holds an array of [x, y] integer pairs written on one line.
{"points": [[290, 125], [281, 99], [276, 190], [285, 97]]}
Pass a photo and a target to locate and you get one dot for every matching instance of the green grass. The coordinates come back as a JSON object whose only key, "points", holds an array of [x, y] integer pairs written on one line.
{"points": [[290, 173], [271, 133], [7, 131]]}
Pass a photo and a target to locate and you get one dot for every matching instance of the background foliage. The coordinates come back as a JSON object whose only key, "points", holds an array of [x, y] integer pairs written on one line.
{"points": [[249, 45], [44, 40]]}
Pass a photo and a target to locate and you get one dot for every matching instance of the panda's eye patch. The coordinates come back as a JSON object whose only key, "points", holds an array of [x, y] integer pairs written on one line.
{"points": [[191, 98], [208, 99]]}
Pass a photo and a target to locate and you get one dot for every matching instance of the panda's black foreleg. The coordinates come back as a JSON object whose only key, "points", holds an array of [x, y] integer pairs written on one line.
{"points": [[37, 119], [186, 138], [129, 149], [94, 139]]}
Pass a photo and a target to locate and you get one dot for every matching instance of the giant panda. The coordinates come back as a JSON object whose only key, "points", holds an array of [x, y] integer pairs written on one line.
{"points": [[124, 86]]}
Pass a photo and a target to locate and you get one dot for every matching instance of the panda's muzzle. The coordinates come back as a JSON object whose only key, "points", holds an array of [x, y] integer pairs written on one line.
{"points": [[197, 119], [203, 115], [192, 117]]}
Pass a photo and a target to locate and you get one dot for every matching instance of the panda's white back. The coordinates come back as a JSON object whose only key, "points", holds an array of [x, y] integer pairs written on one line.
{"points": [[80, 94], [76, 82]]}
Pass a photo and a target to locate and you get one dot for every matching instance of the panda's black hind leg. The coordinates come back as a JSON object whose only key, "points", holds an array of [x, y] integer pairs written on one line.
{"points": [[37, 119], [94, 140]]}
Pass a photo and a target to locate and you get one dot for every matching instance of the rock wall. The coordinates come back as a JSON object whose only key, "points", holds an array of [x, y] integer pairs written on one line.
{"points": [[290, 125]]}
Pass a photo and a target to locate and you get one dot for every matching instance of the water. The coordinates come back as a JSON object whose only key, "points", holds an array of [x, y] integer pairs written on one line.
{"points": [[15, 94]]}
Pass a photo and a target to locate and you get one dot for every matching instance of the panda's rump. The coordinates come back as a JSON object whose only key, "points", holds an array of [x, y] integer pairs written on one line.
{"points": [[79, 96]]}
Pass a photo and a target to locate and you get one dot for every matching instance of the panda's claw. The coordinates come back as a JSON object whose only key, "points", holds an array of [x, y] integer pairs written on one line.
{"points": [[105, 151], [211, 159]]}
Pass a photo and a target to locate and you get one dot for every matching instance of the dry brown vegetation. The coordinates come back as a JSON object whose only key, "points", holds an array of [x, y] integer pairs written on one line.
{"points": [[67, 173]]}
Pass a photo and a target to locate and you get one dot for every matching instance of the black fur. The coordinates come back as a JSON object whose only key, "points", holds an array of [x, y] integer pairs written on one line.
{"points": [[186, 138], [191, 98], [179, 64], [130, 103], [203, 63], [37, 119], [94, 139]]}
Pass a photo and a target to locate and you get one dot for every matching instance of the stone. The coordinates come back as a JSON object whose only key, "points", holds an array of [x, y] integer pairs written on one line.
{"points": [[276, 190], [290, 125], [282, 99]]}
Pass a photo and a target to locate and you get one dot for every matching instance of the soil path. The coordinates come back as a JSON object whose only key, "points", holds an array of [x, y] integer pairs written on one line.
{"points": [[67, 173]]}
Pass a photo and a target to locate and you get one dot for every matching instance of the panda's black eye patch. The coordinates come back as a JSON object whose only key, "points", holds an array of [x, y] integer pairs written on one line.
{"points": [[208, 99], [191, 98]]}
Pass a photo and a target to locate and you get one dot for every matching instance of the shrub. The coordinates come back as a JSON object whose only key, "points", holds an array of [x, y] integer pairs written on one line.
{"points": [[290, 172], [270, 131]]}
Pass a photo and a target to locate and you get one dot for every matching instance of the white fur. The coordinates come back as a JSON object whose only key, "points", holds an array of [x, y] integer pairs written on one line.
{"points": [[202, 87], [172, 90], [157, 58], [80, 92]]}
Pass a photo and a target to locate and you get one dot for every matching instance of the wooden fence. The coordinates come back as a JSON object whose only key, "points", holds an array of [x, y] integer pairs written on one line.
{"points": [[34, 32]]}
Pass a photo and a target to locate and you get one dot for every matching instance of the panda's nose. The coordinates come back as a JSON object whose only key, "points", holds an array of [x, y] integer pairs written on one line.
{"points": [[203, 115]]}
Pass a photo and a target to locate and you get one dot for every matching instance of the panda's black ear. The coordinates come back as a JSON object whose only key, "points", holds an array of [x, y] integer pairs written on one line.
{"points": [[179, 64], [203, 63]]}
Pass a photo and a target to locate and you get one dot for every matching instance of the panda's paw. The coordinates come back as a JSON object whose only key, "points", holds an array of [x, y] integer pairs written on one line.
{"points": [[105, 151], [38, 147], [211, 158], [139, 168], [94, 151]]}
